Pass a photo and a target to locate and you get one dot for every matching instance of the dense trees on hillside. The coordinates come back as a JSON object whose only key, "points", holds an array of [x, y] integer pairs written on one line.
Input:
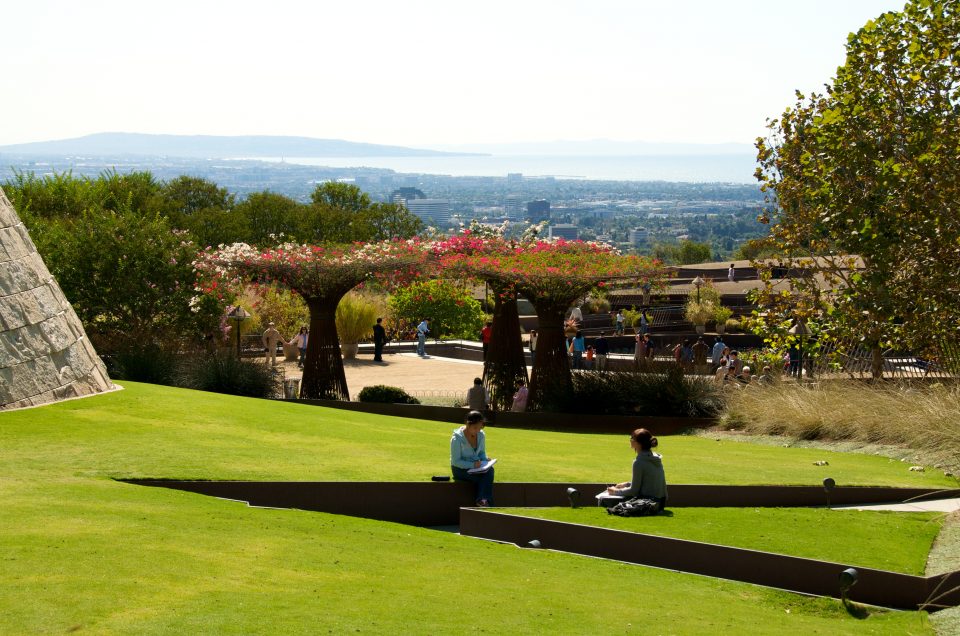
{"points": [[122, 245]]}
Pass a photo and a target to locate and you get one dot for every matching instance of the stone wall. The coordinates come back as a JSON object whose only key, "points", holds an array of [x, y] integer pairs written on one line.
{"points": [[45, 354]]}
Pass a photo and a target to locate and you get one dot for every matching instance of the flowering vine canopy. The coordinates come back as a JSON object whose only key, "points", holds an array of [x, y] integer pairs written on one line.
{"points": [[549, 270], [313, 271]]}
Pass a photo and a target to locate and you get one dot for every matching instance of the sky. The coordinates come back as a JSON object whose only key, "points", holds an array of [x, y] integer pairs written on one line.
{"points": [[420, 73]]}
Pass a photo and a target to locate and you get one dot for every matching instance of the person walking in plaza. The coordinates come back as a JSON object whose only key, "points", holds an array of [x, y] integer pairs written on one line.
{"points": [[533, 347], [578, 348], [700, 350], [379, 339], [301, 341], [602, 348], [620, 320], [477, 397], [678, 353], [422, 330], [640, 350], [468, 450], [485, 336], [717, 352], [271, 338], [644, 322]]}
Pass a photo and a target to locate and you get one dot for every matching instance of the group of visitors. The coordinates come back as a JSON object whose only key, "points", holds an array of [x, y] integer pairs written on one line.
{"points": [[644, 349], [469, 463], [731, 370], [271, 339], [478, 397]]}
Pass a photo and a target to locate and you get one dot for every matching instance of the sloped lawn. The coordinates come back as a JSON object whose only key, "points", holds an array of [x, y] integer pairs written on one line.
{"points": [[81, 552]]}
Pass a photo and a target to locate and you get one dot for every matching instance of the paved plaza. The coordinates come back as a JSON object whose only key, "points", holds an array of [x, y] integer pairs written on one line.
{"points": [[410, 372]]}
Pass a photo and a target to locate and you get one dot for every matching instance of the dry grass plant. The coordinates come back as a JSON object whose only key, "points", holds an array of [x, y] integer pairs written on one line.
{"points": [[925, 419]]}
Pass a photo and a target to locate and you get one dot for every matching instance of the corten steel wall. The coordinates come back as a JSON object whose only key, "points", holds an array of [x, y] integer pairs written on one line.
{"points": [[568, 422], [429, 503], [45, 354], [809, 576]]}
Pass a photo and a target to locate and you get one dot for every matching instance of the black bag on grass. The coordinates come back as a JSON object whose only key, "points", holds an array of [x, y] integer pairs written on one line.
{"points": [[636, 507]]}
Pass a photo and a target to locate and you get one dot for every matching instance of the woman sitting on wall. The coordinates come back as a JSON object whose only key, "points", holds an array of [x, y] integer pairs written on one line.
{"points": [[468, 450]]}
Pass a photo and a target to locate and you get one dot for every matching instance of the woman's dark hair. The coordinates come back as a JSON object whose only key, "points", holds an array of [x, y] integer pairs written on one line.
{"points": [[645, 438], [474, 416]]}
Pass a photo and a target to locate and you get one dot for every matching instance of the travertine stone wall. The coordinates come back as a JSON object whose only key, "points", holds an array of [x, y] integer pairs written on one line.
{"points": [[45, 355]]}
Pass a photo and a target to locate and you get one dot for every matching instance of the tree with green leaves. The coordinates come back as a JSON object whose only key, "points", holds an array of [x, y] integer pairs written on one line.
{"points": [[129, 277], [342, 213], [863, 185]]}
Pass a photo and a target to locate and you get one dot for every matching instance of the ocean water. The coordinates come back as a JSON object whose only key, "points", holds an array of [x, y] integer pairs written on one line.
{"points": [[733, 168]]}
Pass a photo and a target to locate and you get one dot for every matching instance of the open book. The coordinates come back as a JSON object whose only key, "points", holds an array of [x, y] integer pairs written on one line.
{"points": [[484, 467]]}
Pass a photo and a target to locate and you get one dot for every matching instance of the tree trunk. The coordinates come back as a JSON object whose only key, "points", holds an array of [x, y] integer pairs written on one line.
{"points": [[876, 366], [505, 364], [551, 386], [323, 376]]}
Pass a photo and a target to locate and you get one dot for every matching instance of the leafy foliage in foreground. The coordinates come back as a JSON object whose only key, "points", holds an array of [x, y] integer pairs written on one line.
{"points": [[864, 185]]}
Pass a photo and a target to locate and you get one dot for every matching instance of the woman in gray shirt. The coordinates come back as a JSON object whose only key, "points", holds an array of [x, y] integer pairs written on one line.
{"points": [[649, 481]]}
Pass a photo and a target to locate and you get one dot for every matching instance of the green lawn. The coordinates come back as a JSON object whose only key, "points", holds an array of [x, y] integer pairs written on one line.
{"points": [[82, 552], [893, 541]]}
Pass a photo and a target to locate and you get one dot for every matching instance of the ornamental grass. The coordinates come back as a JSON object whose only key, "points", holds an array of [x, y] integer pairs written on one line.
{"points": [[923, 418]]}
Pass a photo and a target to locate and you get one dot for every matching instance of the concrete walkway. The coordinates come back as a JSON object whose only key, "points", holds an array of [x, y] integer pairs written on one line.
{"points": [[408, 371], [938, 505]]}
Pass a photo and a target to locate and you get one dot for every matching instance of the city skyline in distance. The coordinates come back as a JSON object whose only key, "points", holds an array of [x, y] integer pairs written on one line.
{"points": [[426, 74]]}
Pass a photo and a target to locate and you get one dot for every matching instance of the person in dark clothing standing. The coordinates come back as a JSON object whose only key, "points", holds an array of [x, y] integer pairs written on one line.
{"points": [[379, 339], [602, 348]]}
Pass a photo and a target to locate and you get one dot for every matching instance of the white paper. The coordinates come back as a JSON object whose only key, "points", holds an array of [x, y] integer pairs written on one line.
{"points": [[484, 467]]}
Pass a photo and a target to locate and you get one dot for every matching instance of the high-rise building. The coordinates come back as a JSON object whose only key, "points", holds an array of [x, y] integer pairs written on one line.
{"points": [[567, 231], [405, 194], [433, 211], [513, 206], [538, 210], [638, 236]]}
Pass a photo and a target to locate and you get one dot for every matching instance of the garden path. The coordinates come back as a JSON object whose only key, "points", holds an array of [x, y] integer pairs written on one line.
{"points": [[408, 371]]}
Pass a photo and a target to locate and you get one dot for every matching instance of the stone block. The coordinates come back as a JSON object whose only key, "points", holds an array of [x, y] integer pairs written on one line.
{"points": [[28, 243], [6, 385], [24, 381], [40, 304], [8, 217], [20, 276], [12, 243], [57, 332], [11, 313]]}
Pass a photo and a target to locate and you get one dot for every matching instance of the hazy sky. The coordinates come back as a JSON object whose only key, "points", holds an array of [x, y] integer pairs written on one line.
{"points": [[417, 72]]}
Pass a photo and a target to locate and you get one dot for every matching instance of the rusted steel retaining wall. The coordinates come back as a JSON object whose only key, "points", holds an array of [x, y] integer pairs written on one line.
{"points": [[808, 576]]}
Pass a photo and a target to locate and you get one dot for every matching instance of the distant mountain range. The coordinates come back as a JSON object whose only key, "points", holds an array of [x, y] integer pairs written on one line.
{"points": [[214, 147]]}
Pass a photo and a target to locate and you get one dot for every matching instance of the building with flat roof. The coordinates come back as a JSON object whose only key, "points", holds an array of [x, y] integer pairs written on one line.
{"points": [[538, 210], [431, 211], [567, 231]]}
